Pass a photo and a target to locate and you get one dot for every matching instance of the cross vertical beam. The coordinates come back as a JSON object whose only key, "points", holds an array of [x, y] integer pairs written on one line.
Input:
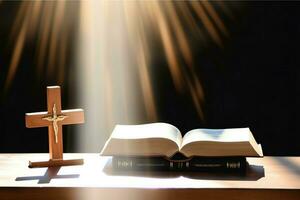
{"points": [[55, 148]]}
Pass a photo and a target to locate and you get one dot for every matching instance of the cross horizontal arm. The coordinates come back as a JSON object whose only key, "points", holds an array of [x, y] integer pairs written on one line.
{"points": [[74, 116], [35, 120]]}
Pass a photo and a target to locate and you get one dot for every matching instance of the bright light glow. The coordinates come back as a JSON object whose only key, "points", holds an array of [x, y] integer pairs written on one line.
{"points": [[114, 54], [106, 84]]}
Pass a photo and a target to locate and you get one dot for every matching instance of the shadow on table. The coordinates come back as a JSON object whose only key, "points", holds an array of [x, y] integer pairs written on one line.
{"points": [[253, 173], [51, 173]]}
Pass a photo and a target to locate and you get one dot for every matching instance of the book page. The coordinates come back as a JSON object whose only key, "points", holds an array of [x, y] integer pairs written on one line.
{"points": [[220, 142], [156, 139], [144, 131], [217, 135]]}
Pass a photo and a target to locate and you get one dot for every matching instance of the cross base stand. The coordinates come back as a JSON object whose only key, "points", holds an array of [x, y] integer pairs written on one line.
{"points": [[55, 163]]}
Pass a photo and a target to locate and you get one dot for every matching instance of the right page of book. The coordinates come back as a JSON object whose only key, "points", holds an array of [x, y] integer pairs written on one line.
{"points": [[220, 142]]}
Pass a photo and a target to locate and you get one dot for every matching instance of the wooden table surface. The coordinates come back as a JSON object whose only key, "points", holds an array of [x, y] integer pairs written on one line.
{"points": [[268, 177]]}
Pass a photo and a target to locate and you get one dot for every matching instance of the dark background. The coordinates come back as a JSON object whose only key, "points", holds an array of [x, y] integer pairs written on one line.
{"points": [[253, 81]]}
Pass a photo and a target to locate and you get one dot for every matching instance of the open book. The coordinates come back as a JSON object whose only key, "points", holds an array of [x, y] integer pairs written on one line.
{"points": [[162, 139]]}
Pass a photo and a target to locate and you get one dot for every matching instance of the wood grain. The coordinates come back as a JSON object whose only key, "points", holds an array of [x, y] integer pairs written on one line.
{"points": [[54, 97], [266, 178]]}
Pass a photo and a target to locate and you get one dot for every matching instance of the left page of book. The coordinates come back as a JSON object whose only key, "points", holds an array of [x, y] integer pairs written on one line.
{"points": [[155, 139]]}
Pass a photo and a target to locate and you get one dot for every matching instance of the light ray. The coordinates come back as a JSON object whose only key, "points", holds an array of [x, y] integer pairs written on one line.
{"points": [[56, 27], [17, 52], [114, 55], [22, 11], [62, 55], [168, 45], [43, 36], [214, 15], [146, 86], [139, 40], [184, 47], [225, 9], [189, 20], [34, 19], [198, 8]]}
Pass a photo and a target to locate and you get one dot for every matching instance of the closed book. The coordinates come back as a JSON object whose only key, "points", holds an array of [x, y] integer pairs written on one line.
{"points": [[194, 164]]}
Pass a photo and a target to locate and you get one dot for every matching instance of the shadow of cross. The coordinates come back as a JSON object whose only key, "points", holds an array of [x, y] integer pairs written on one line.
{"points": [[51, 173]]}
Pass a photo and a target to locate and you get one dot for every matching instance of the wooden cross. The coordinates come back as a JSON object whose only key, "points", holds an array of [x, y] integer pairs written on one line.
{"points": [[54, 118]]}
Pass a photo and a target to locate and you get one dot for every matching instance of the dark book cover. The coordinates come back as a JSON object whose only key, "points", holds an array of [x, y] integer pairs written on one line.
{"points": [[181, 163]]}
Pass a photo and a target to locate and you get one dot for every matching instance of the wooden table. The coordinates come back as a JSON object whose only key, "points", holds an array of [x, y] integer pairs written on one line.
{"points": [[267, 178]]}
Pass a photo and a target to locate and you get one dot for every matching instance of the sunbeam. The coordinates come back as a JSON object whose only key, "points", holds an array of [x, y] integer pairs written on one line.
{"points": [[114, 54]]}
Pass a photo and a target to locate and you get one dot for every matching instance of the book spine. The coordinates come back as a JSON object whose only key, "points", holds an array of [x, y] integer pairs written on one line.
{"points": [[195, 164], [219, 164], [143, 164]]}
